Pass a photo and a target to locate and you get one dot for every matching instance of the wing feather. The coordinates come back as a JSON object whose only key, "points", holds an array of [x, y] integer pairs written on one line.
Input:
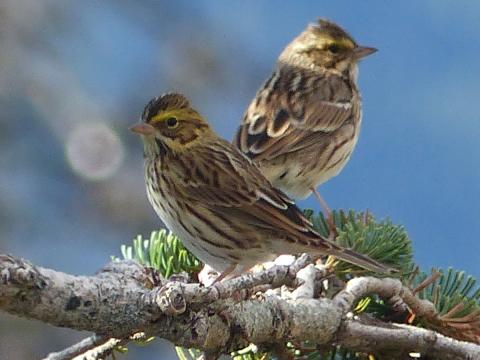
{"points": [[274, 122], [242, 190]]}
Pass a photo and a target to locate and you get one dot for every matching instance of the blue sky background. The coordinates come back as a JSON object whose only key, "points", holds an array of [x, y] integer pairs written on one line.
{"points": [[67, 68]]}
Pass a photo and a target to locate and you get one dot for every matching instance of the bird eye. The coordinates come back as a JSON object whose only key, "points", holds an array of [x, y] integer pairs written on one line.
{"points": [[333, 48], [172, 122]]}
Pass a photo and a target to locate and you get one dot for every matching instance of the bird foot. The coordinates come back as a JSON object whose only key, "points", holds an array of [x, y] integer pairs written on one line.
{"points": [[209, 276]]}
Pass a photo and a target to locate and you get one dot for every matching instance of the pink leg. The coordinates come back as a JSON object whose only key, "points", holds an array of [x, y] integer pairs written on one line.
{"points": [[208, 276], [326, 210], [225, 274], [322, 202]]}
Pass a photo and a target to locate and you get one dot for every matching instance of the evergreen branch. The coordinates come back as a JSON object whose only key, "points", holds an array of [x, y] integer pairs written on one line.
{"points": [[162, 251], [380, 240], [456, 300]]}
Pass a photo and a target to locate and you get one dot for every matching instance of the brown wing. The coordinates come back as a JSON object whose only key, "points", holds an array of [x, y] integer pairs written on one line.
{"points": [[231, 187], [292, 105], [229, 184]]}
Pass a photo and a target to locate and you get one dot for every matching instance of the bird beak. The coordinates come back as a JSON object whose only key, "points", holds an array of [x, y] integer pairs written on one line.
{"points": [[143, 129], [362, 51]]}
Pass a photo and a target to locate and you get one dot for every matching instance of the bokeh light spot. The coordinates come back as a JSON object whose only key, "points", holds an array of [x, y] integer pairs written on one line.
{"points": [[94, 151]]}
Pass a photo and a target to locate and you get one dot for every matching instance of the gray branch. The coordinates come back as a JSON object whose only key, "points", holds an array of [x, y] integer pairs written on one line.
{"points": [[90, 348], [124, 299]]}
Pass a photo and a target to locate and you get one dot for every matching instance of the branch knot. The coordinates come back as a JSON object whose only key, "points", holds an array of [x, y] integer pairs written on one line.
{"points": [[170, 298]]}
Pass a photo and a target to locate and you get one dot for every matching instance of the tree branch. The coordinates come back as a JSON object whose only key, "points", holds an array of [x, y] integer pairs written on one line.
{"points": [[90, 348], [391, 289], [402, 340], [120, 301]]}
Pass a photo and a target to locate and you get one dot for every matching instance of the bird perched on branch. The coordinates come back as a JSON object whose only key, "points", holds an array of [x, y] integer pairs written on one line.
{"points": [[303, 124], [216, 200]]}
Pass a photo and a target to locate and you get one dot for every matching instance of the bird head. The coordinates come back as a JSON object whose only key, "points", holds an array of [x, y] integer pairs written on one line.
{"points": [[325, 45], [170, 123]]}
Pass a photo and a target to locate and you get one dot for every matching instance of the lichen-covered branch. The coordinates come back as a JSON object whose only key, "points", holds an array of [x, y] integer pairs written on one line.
{"points": [[122, 300], [114, 301]]}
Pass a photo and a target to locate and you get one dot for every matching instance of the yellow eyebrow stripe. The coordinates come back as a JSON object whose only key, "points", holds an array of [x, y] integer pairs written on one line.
{"points": [[177, 113], [343, 43]]}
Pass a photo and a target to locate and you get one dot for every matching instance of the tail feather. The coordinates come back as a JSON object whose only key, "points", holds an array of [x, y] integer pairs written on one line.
{"points": [[362, 260]]}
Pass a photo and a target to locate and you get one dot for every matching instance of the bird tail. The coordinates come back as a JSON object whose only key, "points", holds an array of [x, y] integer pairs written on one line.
{"points": [[361, 260]]}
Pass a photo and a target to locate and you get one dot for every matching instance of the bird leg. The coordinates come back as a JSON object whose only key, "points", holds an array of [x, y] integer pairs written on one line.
{"points": [[326, 210], [228, 273], [209, 276]]}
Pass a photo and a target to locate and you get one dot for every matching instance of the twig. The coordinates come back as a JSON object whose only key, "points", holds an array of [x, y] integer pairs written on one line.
{"points": [[391, 289], [88, 351], [78, 348]]}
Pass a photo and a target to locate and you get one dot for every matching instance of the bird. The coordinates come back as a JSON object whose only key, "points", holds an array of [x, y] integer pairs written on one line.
{"points": [[216, 200], [304, 122]]}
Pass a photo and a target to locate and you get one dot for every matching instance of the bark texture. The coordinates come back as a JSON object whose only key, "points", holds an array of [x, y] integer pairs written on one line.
{"points": [[125, 299]]}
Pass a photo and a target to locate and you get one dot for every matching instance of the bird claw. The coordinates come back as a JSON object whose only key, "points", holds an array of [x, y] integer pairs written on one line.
{"points": [[208, 276]]}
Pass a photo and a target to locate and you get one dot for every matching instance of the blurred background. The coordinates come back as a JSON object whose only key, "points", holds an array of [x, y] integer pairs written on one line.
{"points": [[75, 75]]}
